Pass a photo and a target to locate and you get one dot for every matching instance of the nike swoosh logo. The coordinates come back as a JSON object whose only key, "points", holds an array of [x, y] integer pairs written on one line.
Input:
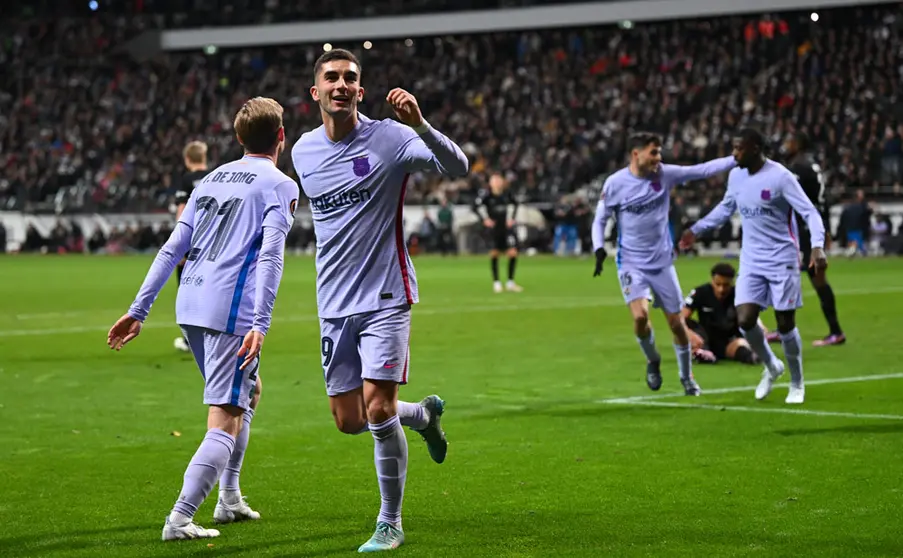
{"points": [[306, 174]]}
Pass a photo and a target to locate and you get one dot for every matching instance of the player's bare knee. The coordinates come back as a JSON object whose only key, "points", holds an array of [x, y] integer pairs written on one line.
{"points": [[349, 425], [786, 321], [380, 410], [512, 253], [349, 412], [381, 400], [226, 418], [678, 328], [747, 316], [494, 254]]}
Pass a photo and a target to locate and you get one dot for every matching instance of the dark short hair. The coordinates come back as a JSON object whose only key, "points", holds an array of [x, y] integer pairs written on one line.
{"points": [[336, 54], [639, 140], [724, 269], [753, 137]]}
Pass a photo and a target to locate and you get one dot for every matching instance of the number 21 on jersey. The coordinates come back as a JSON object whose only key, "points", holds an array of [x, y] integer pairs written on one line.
{"points": [[212, 210]]}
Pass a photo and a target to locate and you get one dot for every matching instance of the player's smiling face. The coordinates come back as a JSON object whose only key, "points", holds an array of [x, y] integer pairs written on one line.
{"points": [[649, 159], [338, 88]]}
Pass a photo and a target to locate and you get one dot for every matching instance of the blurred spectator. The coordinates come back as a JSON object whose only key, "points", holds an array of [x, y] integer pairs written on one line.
{"points": [[84, 128], [880, 232], [856, 221], [565, 226], [445, 225]]}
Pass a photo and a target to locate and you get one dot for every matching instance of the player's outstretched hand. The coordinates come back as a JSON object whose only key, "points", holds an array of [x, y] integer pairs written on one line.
{"points": [[124, 330], [510, 223], [250, 348], [601, 254], [686, 240], [819, 261], [488, 223], [405, 106]]}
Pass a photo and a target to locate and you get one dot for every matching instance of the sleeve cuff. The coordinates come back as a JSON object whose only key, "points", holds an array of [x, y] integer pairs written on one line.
{"points": [[423, 128]]}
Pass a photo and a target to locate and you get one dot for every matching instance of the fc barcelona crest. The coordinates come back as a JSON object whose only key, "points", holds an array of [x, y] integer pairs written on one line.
{"points": [[361, 166], [656, 186], [766, 194]]}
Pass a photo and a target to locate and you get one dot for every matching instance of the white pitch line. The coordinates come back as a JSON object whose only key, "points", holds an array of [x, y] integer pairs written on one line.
{"points": [[539, 306], [716, 391], [655, 400], [577, 304], [778, 410]]}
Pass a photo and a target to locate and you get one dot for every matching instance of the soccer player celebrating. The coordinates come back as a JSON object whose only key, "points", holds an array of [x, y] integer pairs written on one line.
{"points": [[810, 177], [500, 225], [716, 335], [195, 158], [233, 229], [639, 196], [354, 170], [766, 194]]}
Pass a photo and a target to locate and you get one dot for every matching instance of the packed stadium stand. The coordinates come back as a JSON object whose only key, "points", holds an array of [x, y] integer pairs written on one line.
{"points": [[84, 127]]}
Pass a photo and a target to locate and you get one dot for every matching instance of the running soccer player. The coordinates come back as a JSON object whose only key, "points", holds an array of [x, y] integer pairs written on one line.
{"points": [[355, 170], [766, 195], [233, 229], [810, 176], [639, 196], [716, 336], [194, 156], [500, 225]]}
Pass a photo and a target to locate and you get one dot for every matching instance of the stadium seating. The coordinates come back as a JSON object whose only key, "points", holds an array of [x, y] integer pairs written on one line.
{"points": [[83, 127]]}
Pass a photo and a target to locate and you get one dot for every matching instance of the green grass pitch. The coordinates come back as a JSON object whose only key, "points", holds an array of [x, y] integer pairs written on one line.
{"points": [[541, 461]]}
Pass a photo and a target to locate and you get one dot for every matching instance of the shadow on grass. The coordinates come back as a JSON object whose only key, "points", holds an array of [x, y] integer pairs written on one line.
{"points": [[113, 541], [876, 428]]}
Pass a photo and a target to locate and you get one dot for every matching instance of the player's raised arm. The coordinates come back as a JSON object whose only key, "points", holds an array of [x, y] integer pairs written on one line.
{"points": [[679, 174], [422, 147]]}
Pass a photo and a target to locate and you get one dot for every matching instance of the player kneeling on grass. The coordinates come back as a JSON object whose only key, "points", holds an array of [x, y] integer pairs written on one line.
{"points": [[716, 336], [233, 229]]}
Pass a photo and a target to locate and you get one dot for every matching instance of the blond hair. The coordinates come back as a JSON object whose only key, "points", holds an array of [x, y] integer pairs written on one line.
{"points": [[195, 152], [257, 124]]}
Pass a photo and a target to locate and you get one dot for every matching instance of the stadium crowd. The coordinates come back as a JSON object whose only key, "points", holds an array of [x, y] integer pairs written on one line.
{"points": [[174, 14], [84, 127]]}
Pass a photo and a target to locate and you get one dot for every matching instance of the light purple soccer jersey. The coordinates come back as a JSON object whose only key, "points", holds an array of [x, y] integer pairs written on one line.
{"points": [[356, 188], [641, 206], [766, 202], [234, 223]]}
